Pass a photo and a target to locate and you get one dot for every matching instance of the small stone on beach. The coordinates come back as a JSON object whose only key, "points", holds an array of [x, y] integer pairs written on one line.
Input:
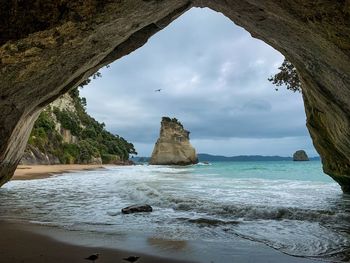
{"points": [[93, 257]]}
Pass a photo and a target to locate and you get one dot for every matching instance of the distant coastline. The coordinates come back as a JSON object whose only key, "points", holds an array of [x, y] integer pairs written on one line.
{"points": [[204, 157], [246, 158]]}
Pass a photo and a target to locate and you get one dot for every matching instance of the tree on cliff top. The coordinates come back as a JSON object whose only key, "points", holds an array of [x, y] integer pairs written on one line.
{"points": [[172, 120], [287, 76]]}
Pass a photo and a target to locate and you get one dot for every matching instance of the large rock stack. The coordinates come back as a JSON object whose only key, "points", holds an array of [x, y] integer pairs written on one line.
{"points": [[173, 146]]}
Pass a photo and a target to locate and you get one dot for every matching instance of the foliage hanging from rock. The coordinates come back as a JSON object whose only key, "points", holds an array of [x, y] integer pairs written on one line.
{"points": [[287, 76]]}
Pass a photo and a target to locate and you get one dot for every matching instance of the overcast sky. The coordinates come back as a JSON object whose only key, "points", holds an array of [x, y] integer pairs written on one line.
{"points": [[213, 77]]}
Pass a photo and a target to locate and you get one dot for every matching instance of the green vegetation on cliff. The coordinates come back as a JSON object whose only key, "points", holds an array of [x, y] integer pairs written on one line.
{"points": [[88, 141], [172, 120]]}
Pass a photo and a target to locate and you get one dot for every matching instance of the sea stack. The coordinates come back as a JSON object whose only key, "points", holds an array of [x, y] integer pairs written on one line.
{"points": [[173, 145], [300, 156]]}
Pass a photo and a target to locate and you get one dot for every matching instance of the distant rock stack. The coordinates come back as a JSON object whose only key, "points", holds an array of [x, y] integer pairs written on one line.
{"points": [[173, 146], [300, 156]]}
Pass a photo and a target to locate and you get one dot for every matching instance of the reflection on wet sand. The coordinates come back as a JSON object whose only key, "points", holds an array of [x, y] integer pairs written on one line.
{"points": [[167, 244]]}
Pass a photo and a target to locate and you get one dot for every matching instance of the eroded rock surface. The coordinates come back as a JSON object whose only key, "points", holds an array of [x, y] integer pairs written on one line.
{"points": [[49, 47], [173, 145], [33, 156], [300, 155]]}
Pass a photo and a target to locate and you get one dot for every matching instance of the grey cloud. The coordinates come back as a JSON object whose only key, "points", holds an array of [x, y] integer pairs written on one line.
{"points": [[256, 105]]}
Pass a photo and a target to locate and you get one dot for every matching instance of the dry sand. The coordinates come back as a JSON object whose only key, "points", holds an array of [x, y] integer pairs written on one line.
{"points": [[26, 172], [19, 243]]}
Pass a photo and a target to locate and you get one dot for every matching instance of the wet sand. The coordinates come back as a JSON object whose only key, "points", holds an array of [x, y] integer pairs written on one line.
{"points": [[27, 172], [22, 243]]}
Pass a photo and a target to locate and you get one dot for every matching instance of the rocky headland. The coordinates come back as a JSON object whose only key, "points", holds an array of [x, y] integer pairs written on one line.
{"points": [[65, 134], [173, 145]]}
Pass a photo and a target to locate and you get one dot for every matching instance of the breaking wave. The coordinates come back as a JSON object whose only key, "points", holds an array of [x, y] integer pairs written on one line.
{"points": [[299, 217]]}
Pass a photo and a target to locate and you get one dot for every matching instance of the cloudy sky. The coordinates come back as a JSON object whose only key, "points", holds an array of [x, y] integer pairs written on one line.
{"points": [[213, 77]]}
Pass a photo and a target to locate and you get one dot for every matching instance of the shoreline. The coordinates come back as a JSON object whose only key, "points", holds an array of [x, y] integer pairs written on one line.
{"points": [[28, 242], [73, 244], [24, 242], [29, 172]]}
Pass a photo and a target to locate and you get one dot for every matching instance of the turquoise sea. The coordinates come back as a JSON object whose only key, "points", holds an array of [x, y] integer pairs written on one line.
{"points": [[213, 212]]}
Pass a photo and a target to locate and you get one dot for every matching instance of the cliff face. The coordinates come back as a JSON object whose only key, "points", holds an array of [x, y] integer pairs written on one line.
{"points": [[173, 146], [33, 156], [64, 103], [48, 133], [50, 47]]}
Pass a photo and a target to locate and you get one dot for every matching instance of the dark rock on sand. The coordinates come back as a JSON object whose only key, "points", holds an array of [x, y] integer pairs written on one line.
{"points": [[137, 209], [300, 156]]}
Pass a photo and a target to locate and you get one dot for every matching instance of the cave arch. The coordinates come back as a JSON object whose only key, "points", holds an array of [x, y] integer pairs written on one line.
{"points": [[49, 47]]}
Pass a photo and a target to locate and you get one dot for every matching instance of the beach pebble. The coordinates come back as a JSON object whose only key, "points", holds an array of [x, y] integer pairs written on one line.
{"points": [[137, 209]]}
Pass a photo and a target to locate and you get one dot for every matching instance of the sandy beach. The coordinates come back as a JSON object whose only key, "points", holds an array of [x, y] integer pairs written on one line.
{"points": [[27, 172], [22, 243], [35, 247], [31, 230]]}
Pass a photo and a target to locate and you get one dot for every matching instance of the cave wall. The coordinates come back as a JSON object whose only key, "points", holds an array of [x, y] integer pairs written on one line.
{"points": [[49, 47]]}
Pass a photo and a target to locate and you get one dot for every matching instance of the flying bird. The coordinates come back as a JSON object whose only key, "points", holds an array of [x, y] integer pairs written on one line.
{"points": [[157, 90], [93, 257], [131, 259]]}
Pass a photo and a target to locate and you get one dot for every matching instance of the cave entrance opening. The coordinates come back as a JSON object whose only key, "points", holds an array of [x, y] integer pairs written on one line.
{"points": [[42, 63], [212, 76]]}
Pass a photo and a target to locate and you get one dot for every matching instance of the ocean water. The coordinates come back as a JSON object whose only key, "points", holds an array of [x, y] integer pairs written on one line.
{"points": [[211, 211]]}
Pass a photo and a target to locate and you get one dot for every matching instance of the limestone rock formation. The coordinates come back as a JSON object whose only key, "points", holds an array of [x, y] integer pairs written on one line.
{"points": [[300, 155], [64, 103], [173, 145], [50, 47]]}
